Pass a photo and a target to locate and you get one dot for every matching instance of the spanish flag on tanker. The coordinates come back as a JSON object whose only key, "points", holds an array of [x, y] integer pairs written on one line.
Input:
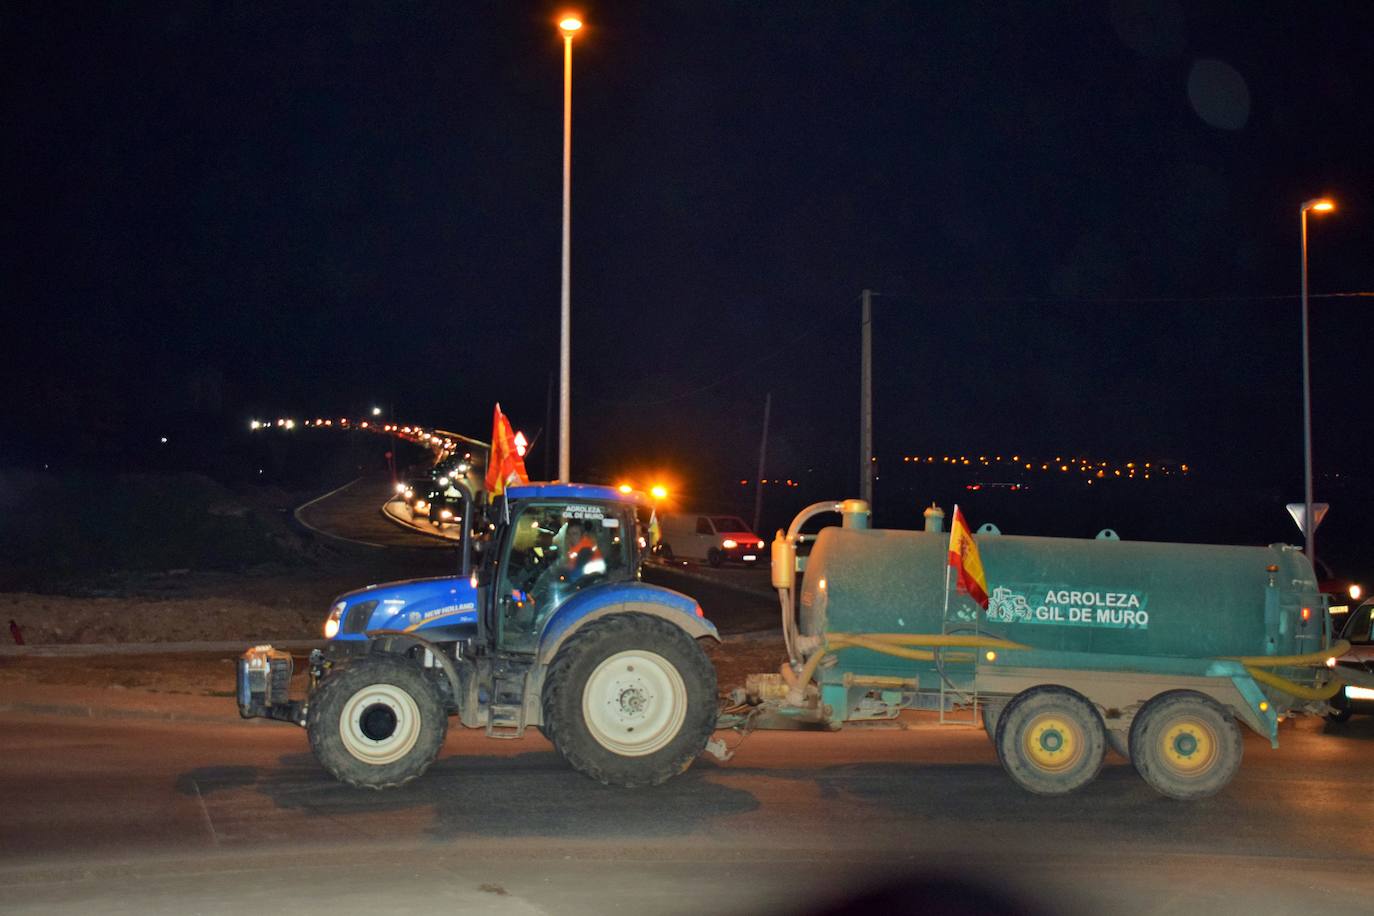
{"points": [[504, 464], [963, 556]]}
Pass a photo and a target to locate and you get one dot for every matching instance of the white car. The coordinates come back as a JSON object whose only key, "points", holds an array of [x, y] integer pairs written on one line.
{"points": [[713, 539]]}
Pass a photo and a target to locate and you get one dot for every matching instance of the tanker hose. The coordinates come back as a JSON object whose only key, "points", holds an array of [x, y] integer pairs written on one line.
{"points": [[1335, 650], [1301, 691], [902, 645], [789, 626], [1255, 665]]}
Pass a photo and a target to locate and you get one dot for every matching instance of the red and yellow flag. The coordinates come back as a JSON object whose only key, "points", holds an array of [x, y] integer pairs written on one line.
{"points": [[963, 556], [504, 464]]}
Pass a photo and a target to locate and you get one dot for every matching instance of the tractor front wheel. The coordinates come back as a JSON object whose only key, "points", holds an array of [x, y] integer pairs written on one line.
{"points": [[378, 723]]}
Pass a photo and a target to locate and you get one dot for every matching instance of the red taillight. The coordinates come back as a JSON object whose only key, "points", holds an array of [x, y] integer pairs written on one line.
{"points": [[1306, 614]]}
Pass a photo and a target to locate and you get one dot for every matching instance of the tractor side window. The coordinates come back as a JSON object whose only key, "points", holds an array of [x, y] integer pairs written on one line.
{"points": [[704, 525], [555, 551]]}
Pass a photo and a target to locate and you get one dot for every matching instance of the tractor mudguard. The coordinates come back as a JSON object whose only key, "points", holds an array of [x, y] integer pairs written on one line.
{"points": [[623, 598]]}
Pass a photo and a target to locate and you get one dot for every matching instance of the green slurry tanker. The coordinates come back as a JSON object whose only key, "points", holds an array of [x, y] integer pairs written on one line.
{"points": [[1155, 650]]}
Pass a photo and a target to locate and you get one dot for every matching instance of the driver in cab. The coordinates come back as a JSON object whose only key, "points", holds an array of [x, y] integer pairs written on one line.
{"points": [[583, 554]]}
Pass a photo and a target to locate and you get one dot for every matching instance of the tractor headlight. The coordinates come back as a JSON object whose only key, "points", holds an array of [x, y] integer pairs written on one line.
{"points": [[331, 623]]}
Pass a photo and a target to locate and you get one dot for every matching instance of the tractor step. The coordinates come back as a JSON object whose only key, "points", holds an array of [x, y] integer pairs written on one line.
{"points": [[506, 714]]}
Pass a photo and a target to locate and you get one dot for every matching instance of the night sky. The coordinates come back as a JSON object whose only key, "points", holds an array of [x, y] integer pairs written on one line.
{"points": [[1081, 221]]}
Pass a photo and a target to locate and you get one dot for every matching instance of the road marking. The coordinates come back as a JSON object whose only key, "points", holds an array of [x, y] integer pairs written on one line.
{"points": [[209, 824], [297, 514]]}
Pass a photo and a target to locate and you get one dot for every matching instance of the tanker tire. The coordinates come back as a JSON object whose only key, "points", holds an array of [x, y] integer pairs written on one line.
{"points": [[378, 723], [1185, 745], [593, 692], [1051, 740]]}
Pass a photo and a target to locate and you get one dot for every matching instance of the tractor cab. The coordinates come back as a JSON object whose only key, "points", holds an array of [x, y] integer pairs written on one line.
{"points": [[554, 541]]}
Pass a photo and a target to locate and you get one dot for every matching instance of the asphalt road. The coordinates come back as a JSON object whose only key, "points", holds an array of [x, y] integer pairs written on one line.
{"points": [[352, 514], [150, 816]]}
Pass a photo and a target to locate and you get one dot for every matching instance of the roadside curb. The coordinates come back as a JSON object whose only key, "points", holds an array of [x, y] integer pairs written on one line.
{"points": [[89, 711], [60, 650]]}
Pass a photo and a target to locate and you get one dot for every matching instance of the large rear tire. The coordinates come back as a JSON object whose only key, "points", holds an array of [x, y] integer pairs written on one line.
{"points": [[1050, 740], [630, 700], [1185, 745], [378, 723]]}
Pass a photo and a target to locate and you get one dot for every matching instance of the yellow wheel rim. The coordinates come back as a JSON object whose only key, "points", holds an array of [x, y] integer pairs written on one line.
{"points": [[1053, 742], [1188, 746]]}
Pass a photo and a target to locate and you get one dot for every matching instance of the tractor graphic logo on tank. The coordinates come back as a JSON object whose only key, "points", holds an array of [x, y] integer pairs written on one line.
{"points": [[1114, 609]]}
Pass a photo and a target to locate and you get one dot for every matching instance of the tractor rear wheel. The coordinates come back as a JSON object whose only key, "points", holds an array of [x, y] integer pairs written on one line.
{"points": [[378, 723], [630, 700]]}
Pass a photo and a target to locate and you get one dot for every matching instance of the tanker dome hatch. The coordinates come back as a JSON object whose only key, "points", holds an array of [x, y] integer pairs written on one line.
{"points": [[573, 491]]}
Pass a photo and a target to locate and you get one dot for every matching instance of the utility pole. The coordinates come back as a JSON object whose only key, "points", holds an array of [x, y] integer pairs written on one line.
{"points": [[763, 452], [866, 405]]}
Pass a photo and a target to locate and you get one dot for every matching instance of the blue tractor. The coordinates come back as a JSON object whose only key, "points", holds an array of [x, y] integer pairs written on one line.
{"points": [[549, 626]]}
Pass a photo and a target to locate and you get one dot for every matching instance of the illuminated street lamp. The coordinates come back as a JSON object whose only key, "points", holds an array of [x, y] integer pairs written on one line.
{"points": [[1317, 205], [569, 26]]}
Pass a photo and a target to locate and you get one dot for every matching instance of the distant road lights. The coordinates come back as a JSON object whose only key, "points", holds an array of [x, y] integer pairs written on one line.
{"points": [[376, 411], [1316, 205]]}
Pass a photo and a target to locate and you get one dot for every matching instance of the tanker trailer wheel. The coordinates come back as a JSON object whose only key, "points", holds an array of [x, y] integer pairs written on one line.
{"points": [[1050, 740], [630, 700], [378, 723], [1185, 745]]}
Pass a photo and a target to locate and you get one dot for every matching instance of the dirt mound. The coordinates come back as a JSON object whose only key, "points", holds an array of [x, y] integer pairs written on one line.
{"points": [[74, 531]]}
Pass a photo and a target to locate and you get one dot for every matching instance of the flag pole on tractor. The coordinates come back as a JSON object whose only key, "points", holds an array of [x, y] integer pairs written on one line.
{"points": [[964, 560], [505, 466]]}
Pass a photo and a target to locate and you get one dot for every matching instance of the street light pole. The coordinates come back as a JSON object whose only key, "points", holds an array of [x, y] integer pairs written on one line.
{"points": [[1320, 205], [569, 27]]}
